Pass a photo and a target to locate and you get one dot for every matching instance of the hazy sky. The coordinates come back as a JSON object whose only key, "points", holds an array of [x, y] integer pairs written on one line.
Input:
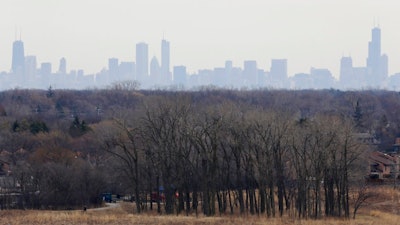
{"points": [[203, 33]]}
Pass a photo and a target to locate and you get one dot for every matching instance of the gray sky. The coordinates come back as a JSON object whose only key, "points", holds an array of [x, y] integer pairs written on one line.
{"points": [[203, 33]]}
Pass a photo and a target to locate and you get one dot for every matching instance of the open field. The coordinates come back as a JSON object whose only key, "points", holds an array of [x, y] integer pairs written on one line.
{"points": [[118, 216], [382, 209]]}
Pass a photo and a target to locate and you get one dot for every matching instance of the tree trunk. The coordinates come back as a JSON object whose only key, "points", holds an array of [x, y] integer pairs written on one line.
{"points": [[251, 201], [195, 202], [169, 200], [181, 202], [158, 195], [187, 203], [262, 200], [230, 202]]}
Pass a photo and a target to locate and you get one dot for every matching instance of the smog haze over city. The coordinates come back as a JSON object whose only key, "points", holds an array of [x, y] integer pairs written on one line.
{"points": [[253, 43], [199, 112]]}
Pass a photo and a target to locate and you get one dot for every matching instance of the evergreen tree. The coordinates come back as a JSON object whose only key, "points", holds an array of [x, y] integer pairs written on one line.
{"points": [[358, 116]]}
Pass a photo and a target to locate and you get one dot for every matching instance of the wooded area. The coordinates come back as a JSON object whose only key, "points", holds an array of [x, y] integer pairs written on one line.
{"points": [[270, 152]]}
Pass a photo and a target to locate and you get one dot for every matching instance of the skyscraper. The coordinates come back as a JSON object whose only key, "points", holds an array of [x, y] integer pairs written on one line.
{"points": [[180, 75], [45, 69], [383, 69], [278, 73], [113, 64], [374, 49], [30, 66], [322, 78], [250, 73], [154, 68], [278, 70], [165, 58], [142, 61], [346, 72], [63, 66], [346, 68], [18, 57], [228, 65], [376, 63], [126, 70]]}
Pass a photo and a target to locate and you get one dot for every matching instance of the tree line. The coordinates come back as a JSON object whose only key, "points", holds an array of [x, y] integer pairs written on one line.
{"points": [[209, 151], [228, 158]]}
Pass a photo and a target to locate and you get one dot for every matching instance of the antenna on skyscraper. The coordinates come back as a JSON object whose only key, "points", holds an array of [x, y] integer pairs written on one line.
{"points": [[378, 25], [16, 33], [376, 22]]}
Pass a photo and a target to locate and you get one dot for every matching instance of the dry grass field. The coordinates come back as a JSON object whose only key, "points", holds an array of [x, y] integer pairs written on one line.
{"points": [[382, 209]]}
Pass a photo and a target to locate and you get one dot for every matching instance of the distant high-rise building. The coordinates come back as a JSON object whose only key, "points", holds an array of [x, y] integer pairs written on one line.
{"points": [[142, 61], [322, 78], [250, 72], [18, 57], [228, 65], [278, 71], [230, 78], [278, 75], [374, 50], [45, 69], [154, 68], [384, 70], [30, 66], [165, 54], [80, 73], [126, 70], [346, 65], [219, 77], [302, 81], [346, 71], [180, 75], [63, 66], [376, 63], [113, 64], [359, 79]]}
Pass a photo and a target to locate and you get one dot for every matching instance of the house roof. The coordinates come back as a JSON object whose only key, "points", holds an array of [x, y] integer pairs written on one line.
{"points": [[383, 158]]}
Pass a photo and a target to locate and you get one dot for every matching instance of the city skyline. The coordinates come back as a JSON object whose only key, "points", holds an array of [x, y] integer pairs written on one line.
{"points": [[376, 61], [203, 33], [373, 74]]}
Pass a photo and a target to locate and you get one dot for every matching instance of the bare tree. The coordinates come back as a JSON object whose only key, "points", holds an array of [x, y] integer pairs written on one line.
{"points": [[165, 129], [360, 198], [121, 139]]}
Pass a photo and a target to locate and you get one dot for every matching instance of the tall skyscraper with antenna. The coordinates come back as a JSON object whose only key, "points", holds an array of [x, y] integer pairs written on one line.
{"points": [[374, 51], [377, 63], [18, 57]]}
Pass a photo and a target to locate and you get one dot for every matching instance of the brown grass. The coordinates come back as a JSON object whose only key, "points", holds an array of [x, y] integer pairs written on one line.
{"points": [[118, 216], [382, 209]]}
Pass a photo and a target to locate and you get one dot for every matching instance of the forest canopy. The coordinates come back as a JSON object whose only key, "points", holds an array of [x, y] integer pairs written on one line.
{"points": [[212, 151]]}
